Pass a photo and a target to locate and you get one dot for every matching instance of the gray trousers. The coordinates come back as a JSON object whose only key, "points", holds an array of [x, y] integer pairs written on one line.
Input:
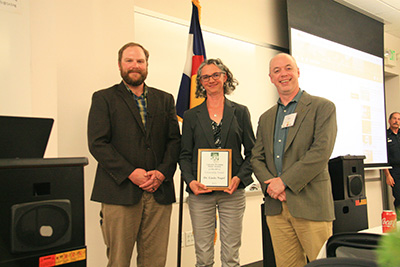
{"points": [[230, 215]]}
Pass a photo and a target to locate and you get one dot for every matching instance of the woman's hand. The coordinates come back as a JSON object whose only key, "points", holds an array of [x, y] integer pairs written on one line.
{"points": [[234, 185], [198, 188]]}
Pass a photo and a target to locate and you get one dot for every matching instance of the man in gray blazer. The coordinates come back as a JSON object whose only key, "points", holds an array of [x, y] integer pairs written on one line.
{"points": [[133, 134], [295, 139]]}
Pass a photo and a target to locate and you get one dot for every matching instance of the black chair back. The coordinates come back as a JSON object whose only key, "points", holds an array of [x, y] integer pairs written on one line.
{"points": [[342, 262], [353, 245]]}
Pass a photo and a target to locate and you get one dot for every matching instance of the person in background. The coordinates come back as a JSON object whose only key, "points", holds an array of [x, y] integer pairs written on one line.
{"points": [[217, 123], [133, 134], [393, 152], [295, 139]]}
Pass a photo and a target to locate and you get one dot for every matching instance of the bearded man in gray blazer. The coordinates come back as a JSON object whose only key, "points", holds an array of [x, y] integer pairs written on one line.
{"points": [[133, 134], [295, 139]]}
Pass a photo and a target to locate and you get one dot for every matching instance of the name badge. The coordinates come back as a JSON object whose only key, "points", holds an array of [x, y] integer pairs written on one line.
{"points": [[289, 120]]}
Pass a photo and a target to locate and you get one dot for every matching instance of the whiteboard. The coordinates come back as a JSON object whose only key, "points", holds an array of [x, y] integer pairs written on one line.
{"points": [[166, 40]]}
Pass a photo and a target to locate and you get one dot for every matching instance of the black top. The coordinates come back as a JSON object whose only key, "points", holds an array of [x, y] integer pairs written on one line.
{"points": [[393, 148]]}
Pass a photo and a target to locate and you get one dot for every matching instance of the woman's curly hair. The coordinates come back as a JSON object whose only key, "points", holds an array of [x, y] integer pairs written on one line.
{"points": [[229, 85]]}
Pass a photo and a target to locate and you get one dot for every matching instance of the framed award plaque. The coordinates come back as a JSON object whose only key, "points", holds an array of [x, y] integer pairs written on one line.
{"points": [[215, 168]]}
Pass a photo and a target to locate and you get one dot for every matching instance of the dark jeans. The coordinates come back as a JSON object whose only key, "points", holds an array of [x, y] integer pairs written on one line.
{"points": [[395, 172]]}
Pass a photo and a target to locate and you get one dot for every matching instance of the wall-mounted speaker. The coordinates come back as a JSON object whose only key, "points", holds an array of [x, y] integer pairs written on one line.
{"points": [[347, 177]]}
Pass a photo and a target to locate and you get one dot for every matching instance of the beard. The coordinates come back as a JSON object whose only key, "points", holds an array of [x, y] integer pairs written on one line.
{"points": [[134, 82]]}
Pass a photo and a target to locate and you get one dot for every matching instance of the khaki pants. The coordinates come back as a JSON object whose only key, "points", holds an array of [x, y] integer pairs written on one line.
{"points": [[146, 223], [294, 239]]}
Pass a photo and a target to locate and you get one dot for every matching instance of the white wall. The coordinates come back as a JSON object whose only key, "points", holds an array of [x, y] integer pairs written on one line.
{"points": [[74, 53], [64, 50], [392, 82], [254, 20], [15, 61]]}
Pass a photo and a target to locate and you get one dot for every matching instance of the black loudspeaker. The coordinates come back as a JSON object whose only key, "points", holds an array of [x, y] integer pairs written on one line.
{"points": [[42, 212], [347, 177], [351, 215]]}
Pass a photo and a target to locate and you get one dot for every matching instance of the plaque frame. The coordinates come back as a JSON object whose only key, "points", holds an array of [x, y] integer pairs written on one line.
{"points": [[220, 166]]}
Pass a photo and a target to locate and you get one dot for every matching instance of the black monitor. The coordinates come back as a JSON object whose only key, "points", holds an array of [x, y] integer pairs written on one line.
{"points": [[24, 137]]}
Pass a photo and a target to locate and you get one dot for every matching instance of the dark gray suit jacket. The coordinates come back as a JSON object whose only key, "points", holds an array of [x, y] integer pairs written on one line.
{"points": [[308, 147], [236, 131], [120, 143]]}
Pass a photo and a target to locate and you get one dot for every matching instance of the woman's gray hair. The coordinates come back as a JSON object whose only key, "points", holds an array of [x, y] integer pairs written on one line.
{"points": [[229, 85]]}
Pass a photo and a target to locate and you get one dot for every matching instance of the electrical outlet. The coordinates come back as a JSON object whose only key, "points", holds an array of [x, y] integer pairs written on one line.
{"points": [[183, 240], [189, 238]]}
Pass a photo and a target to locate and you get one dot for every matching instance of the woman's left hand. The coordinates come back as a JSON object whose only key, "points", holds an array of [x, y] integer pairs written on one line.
{"points": [[234, 185]]}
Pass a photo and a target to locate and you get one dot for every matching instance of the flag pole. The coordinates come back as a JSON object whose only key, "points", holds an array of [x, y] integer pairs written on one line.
{"points": [[180, 224], [186, 96]]}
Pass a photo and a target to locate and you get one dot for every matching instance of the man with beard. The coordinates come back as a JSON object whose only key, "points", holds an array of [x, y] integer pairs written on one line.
{"points": [[133, 134], [393, 152]]}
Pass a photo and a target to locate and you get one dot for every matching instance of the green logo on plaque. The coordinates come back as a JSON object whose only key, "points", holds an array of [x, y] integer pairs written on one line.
{"points": [[215, 156]]}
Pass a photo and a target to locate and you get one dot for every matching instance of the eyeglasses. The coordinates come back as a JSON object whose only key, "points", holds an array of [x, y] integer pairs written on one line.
{"points": [[215, 76]]}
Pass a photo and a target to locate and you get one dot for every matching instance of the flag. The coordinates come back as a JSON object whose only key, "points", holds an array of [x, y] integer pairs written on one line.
{"points": [[196, 54]]}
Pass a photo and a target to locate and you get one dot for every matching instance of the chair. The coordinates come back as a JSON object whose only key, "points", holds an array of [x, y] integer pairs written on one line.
{"points": [[353, 245], [342, 262]]}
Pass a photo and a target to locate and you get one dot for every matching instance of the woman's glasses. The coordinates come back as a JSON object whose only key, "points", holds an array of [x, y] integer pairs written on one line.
{"points": [[215, 76]]}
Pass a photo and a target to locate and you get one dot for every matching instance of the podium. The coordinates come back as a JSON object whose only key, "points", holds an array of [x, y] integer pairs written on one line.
{"points": [[42, 212]]}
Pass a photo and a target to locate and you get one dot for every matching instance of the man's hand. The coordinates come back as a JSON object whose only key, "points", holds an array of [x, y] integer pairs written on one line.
{"points": [[198, 188], [282, 196], [390, 180], [234, 185], [276, 188], [155, 179], [138, 176]]}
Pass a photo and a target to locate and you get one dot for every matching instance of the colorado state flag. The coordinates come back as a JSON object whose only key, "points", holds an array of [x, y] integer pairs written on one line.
{"points": [[196, 54]]}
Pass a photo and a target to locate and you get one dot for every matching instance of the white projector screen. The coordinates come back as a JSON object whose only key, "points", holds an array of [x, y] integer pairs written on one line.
{"points": [[354, 81]]}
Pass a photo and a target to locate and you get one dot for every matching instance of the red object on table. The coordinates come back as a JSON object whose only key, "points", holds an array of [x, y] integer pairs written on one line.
{"points": [[388, 221]]}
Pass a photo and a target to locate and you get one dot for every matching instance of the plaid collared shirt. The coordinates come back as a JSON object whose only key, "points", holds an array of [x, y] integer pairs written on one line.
{"points": [[141, 102]]}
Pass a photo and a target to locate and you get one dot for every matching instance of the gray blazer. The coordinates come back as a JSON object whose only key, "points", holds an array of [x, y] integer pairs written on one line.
{"points": [[120, 143], [236, 131], [308, 147]]}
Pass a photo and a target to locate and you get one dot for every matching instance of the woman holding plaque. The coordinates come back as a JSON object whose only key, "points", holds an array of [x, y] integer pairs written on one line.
{"points": [[212, 164]]}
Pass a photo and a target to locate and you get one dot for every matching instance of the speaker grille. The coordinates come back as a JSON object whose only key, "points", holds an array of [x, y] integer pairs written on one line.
{"points": [[40, 225], [355, 185]]}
